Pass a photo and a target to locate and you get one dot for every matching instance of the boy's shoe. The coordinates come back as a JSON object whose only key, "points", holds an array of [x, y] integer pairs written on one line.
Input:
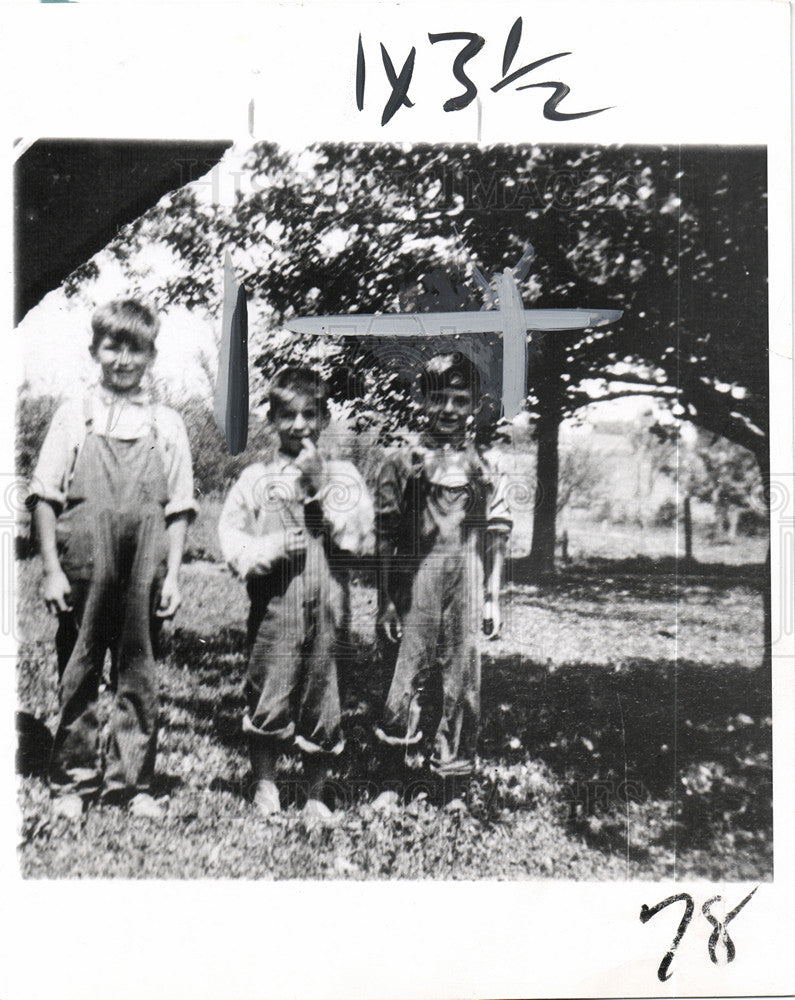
{"points": [[386, 801], [456, 806], [417, 804], [144, 806], [266, 798], [69, 806], [317, 813]]}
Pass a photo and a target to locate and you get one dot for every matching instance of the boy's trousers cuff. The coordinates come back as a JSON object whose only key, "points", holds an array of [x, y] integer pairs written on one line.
{"points": [[287, 736]]}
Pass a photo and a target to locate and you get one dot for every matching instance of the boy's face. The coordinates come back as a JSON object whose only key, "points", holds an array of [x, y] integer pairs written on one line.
{"points": [[297, 417], [123, 364], [448, 411]]}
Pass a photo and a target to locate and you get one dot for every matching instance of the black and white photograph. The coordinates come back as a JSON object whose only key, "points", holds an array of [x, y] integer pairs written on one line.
{"points": [[411, 629], [398, 502]]}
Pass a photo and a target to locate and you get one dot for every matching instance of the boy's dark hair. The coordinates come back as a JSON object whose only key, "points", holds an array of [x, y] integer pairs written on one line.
{"points": [[449, 371], [127, 321], [298, 378]]}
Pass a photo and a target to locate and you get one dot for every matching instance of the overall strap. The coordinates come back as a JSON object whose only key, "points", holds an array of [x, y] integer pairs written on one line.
{"points": [[153, 420], [88, 414], [88, 417]]}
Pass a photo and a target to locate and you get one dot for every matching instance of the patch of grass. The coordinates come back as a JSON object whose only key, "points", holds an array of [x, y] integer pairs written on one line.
{"points": [[202, 540], [625, 731]]}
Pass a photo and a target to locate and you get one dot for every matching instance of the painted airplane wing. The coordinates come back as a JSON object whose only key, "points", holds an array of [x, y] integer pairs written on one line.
{"points": [[447, 323], [570, 319], [231, 385]]}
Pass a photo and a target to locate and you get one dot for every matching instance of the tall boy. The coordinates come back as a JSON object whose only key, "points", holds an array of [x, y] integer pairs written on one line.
{"points": [[441, 511], [283, 524], [114, 494]]}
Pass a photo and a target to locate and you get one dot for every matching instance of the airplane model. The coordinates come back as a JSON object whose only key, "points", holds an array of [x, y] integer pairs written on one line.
{"points": [[503, 312]]}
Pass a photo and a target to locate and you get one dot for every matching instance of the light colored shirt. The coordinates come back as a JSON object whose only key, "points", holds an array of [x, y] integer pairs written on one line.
{"points": [[125, 418], [267, 502]]}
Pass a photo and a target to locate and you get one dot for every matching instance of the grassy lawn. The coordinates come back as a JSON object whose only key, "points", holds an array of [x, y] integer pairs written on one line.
{"points": [[625, 734]]}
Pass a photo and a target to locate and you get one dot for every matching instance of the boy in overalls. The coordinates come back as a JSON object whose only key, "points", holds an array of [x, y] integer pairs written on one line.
{"points": [[288, 527], [113, 490], [441, 512]]}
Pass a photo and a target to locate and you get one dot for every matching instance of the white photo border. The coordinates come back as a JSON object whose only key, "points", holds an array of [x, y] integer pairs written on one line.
{"points": [[675, 71]]}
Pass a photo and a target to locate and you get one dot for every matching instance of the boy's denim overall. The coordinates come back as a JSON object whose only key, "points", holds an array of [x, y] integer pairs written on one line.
{"points": [[291, 685], [113, 547], [433, 509], [437, 672]]}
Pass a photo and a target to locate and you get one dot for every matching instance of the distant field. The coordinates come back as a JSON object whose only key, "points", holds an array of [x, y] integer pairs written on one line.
{"points": [[622, 541], [587, 538], [625, 734]]}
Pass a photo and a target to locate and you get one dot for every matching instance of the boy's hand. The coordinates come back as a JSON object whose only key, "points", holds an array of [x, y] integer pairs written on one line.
{"points": [[312, 466], [492, 620], [288, 544], [170, 597], [56, 591], [388, 623], [294, 543]]}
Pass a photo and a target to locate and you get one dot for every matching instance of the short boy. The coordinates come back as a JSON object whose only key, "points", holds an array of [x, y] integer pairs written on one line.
{"points": [[113, 490], [287, 528], [441, 511]]}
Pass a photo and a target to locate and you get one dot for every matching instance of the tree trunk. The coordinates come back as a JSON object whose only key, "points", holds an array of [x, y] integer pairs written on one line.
{"points": [[544, 363], [767, 626], [688, 531], [542, 552]]}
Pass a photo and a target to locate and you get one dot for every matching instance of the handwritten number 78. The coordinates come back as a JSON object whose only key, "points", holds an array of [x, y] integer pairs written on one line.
{"points": [[719, 933]]}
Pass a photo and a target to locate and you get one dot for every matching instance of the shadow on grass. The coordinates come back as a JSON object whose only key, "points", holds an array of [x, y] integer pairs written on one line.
{"points": [[239, 787], [641, 577], [186, 646], [34, 746], [216, 665], [693, 736]]}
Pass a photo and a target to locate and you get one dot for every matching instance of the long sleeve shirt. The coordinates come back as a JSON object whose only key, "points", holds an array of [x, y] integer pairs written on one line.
{"points": [[269, 500]]}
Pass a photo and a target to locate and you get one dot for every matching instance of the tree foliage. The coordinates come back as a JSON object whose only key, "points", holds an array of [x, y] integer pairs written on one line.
{"points": [[674, 236], [727, 476]]}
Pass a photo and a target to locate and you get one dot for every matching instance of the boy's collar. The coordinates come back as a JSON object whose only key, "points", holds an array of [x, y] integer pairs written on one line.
{"points": [[275, 456], [110, 398], [427, 440]]}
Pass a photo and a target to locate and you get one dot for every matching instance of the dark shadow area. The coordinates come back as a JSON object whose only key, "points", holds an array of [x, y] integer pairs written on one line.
{"points": [[187, 646], [34, 746], [598, 579], [239, 787], [217, 663], [25, 546], [698, 737], [166, 784]]}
